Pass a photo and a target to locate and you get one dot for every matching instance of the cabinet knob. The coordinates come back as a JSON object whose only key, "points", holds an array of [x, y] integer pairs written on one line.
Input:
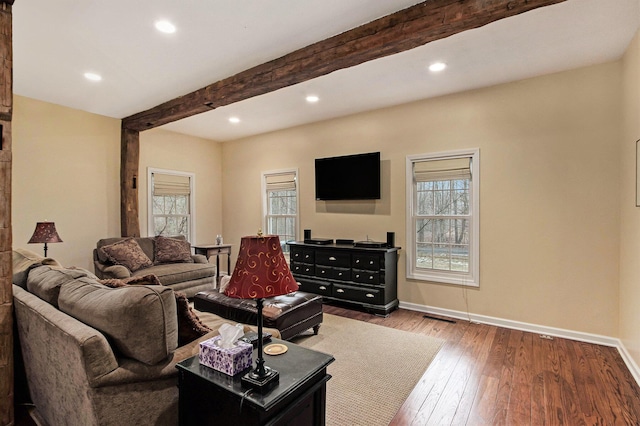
{"points": [[323, 271], [357, 260], [357, 275], [322, 287], [307, 256], [307, 270], [370, 295], [332, 258], [340, 290], [370, 277], [339, 274], [371, 262]]}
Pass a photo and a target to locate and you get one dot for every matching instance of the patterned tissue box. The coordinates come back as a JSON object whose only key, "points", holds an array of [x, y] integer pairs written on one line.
{"points": [[229, 361]]}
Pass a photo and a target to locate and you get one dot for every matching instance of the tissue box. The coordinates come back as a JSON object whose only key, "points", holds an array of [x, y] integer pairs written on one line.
{"points": [[229, 361]]}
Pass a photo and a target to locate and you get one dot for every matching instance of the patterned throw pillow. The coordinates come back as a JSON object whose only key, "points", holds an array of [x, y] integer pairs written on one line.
{"points": [[172, 250], [190, 327], [127, 253]]}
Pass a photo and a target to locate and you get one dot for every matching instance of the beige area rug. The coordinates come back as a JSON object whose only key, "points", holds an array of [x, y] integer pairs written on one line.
{"points": [[374, 371]]}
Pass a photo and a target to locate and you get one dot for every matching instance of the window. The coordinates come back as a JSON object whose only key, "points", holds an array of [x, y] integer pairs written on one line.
{"points": [[442, 217], [280, 205], [171, 203]]}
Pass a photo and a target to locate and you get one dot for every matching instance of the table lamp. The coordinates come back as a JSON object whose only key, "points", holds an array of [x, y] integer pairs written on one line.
{"points": [[261, 271], [45, 232]]}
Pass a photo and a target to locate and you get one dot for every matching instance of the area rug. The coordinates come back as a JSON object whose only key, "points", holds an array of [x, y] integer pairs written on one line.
{"points": [[374, 371]]}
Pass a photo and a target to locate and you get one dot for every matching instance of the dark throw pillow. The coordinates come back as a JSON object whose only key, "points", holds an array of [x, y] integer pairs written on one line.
{"points": [[190, 327], [172, 250], [127, 253]]}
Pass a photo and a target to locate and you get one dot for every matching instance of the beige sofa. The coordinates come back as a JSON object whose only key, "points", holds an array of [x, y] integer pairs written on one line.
{"points": [[96, 355], [190, 277]]}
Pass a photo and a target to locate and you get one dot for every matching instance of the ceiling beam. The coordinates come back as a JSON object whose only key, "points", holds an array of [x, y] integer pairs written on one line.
{"points": [[409, 28]]}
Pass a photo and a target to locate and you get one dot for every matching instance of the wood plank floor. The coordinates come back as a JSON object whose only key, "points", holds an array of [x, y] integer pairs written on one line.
{"points": [[486, 375]]}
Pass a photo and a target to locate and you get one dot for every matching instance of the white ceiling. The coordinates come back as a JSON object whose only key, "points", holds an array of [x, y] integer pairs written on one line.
{"points": [[56, 42]]}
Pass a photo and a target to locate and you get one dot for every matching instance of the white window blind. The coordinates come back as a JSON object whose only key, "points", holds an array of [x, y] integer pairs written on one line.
{"points": [[281, 182], [164, 184], [446, 169]]}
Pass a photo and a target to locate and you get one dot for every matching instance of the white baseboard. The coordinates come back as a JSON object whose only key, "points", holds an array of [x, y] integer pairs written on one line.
{"points": [[533, 328]]}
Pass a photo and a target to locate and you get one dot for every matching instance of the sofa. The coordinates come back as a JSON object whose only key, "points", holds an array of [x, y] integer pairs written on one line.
{"points": [[98, 355], [168, 258]]}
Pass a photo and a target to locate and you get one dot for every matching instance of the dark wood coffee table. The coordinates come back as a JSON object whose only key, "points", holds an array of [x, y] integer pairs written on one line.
{"points": [[208, 396]]}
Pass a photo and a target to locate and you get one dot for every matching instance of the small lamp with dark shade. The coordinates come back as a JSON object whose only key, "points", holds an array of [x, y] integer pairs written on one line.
{"points": [[45, 232], [261, 271]]}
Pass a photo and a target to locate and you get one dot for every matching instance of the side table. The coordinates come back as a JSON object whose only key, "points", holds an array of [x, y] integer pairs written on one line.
{"points": [[210, 249], [208, 396]]}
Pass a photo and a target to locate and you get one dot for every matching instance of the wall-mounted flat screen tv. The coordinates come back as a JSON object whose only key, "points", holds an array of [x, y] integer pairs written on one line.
{"points": [[350, 177]]}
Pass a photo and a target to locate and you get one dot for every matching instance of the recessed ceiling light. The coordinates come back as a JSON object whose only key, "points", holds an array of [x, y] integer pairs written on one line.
{"points": [[165, 27], [92, 76], [312, 99], [234, 120], [437, 66]]}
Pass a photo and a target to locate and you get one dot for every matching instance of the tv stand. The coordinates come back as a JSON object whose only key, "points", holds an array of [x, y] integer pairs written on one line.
{"points": [[363, 277]]}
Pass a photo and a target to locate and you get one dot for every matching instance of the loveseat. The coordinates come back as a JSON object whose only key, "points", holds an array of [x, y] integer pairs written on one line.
{"points": [[96, 355], [169, 259]]}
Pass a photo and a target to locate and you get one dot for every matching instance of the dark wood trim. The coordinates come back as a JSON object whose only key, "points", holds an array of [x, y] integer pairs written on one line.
{"points": [[6, 273], [130, 154], [409, 28]]}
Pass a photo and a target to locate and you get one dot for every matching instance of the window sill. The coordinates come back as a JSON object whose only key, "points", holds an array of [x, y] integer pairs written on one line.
{"points": [[444, 278]]}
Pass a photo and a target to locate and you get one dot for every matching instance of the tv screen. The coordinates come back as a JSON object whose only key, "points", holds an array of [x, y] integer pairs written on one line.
{"points": [[350, 177]]}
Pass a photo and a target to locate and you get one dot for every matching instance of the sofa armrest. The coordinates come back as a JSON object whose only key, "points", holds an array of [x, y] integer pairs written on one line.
{"points": [[110, 271], [199, 258]]}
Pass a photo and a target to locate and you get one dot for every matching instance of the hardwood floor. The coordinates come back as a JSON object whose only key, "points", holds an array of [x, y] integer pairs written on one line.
{"points": [[486, 375]]}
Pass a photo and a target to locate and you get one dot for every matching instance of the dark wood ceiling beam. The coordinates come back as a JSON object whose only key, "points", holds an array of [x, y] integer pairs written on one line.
{"points": [[409, 28]]}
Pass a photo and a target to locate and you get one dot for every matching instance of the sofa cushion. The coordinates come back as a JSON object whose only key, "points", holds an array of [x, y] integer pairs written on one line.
{"points": [[127, 253], [45, 281], [139, 320], [190, 327], [172, 273], [171, 250], [23, 260]]}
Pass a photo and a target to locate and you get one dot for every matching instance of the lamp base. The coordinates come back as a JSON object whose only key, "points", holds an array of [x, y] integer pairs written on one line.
{"points": [[254, 380]]}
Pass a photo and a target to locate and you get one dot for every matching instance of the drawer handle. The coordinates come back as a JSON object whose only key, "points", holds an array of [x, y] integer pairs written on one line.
{"points": [[339, 274], [370, 277], [307, 269], [332, 258], [323, 271], [370, 295], [322, 287], [340, 290]]}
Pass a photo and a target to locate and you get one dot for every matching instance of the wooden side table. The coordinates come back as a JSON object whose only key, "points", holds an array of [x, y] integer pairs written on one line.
{"points": [[208, 396], [216, 249]]}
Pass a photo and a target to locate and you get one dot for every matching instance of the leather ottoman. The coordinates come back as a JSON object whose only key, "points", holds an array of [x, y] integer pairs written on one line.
{"points": [[290, 314]]}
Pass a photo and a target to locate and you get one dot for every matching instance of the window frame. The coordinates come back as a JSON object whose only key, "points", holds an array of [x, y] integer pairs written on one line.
{"points": [[471, 278], [192, 204], [265, 200]]}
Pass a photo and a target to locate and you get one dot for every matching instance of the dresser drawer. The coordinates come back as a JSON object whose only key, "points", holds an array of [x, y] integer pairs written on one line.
{"points": [[365, 277], [358, 294], [315, 287], [302, 255], [335, 259], [366, 261], [302, 268]]}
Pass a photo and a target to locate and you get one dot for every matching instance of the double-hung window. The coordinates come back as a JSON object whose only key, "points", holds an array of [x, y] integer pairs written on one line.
{"points": [[171, 195], [280, 205], [442, 217]]}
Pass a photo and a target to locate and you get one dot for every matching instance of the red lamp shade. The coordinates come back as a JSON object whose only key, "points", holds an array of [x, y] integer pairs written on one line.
{"points": [[261, 270], [45, 232]]}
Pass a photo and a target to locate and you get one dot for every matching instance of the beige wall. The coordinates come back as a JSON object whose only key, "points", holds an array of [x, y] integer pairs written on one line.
{"points": [[66, 169], [630, 214], [162, 149], [550, 155]]}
